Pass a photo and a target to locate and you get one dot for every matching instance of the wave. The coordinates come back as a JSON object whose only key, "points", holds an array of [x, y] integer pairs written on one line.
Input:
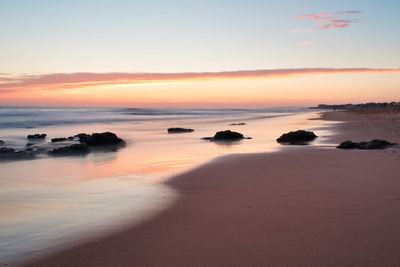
{"points": [[35, 117]]}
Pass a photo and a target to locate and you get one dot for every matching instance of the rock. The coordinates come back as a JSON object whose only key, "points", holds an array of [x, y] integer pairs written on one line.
{"points": [[100, 139], [238, 124], [299, 137], [82, 135], [7, 153], [61, 139], [179, 130], [375, 144], [71, 138], [2, 143], [74, 149], [5, 150], [226, 135], [348, 145], [371, 145], [36, 136]]}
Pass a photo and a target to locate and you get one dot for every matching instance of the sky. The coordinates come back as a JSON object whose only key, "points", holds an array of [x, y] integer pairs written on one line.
{"points": [[198, 53]]}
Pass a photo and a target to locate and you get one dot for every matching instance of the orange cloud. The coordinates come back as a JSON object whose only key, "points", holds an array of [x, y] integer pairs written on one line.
{"points": [[67, 81]]}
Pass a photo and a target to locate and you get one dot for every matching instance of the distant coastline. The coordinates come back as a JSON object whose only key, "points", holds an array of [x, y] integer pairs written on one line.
{"points": [[349, 106]]}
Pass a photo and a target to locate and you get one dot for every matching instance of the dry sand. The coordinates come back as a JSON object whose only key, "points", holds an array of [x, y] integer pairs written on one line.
{"points": [[299, 207]]}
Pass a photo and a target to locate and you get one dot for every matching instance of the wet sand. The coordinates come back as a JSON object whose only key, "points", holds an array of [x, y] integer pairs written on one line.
{"points": [[302, 206]]}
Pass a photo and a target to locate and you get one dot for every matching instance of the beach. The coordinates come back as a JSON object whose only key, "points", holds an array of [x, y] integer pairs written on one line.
{"points": [[49, 202], [299, 206]]}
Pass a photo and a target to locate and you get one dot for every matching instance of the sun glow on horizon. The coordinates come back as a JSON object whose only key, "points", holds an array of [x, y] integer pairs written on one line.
{"points": [[290, 90]]}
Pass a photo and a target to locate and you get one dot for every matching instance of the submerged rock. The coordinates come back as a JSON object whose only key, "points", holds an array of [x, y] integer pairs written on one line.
{"points": [[36, 136], [371, 145], [237, 124], [179, 130], [60, 139], [226, 135], [74, 149], [2, 143], [100, 139], [5, 150], [348, 145], [299, 137], [82, 135], [7, 153]]}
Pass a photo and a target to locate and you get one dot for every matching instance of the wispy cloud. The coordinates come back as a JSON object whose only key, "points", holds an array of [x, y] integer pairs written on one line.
{"points": [[73, 81], [332, 20]]}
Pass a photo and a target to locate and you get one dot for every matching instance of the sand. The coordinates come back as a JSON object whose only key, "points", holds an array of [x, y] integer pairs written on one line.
{"points": [[302, 206]]}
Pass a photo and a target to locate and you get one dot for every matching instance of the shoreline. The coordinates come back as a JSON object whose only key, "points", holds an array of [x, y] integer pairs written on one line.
{"points": [[294, 207]]}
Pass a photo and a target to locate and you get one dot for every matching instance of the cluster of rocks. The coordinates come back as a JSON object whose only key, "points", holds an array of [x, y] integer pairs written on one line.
{"points": [[371, 145], [226, 135], [71, 150], [11, 153], [80, 144], [36, 136], [62, 139], [300, 137]]}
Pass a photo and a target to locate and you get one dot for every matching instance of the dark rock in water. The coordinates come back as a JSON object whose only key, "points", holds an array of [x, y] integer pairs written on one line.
{"points": [[82, 135], [179, 130], [75, 149], [100, 139], [375, 144], [226, 135], [238, 124], [6, 150], [2, 143], [371, 145], [36, 136], [348, 145], [71, 138], [299, 137], [29, 144], [7, 153], [61, 139]]}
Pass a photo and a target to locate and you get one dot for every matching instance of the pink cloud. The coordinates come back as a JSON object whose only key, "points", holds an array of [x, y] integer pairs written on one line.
{"points": [[333, 20], [67, 81]]}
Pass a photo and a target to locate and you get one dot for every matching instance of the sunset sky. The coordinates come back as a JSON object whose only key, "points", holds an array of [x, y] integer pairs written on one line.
{"points": [[198, 53]]}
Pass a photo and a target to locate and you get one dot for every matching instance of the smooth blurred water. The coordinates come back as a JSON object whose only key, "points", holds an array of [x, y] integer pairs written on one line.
{"points": [[35, 117]]}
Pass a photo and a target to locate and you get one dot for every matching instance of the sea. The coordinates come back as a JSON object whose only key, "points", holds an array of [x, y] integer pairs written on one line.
{"points": [[49, 203]]}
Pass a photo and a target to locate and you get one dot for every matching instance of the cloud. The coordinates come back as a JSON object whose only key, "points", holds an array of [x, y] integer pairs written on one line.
{"points": [[332, 20], [65, 81]]}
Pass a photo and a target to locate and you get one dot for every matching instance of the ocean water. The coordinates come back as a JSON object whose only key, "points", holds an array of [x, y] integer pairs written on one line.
{"points": [[47, 203]]}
